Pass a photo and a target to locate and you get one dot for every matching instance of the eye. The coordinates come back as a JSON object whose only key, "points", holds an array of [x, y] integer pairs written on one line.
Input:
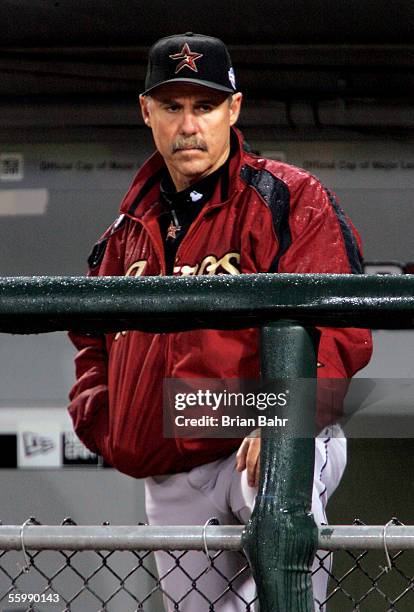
{"points": [[205, 107], [172, 108]]}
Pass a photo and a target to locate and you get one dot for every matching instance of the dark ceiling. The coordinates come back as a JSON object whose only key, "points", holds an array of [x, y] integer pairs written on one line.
{"points": [[40, 23], [357, 51]]}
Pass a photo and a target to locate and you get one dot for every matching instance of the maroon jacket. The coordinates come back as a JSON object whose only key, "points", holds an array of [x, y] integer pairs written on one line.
{"points": [[273, 218]]}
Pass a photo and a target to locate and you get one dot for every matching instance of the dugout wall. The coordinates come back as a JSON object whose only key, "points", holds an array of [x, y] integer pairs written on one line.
{"points": [[80, 198]]}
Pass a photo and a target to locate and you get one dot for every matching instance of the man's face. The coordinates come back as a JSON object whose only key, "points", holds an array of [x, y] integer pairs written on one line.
{"points": [[191, 128]]}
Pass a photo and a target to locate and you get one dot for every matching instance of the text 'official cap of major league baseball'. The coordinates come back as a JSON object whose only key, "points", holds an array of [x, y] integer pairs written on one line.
{"points": [[190, 58]]}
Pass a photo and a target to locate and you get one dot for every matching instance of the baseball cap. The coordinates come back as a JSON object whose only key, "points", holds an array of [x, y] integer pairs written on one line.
{"points": [[190, 58]]}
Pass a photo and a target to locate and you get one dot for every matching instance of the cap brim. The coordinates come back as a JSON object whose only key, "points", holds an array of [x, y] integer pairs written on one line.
{"points": [[208, 84]]}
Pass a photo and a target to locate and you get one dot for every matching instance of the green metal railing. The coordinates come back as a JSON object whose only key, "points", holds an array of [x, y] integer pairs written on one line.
{"points": [[42, 304], [280, 539]]}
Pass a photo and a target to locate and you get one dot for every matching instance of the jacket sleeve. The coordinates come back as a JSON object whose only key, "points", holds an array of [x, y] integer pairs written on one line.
{"points": [[324, 240], [88, 397]]}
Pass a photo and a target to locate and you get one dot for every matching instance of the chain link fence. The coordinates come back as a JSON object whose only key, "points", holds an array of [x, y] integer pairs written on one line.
{"points": [[112, 569]]}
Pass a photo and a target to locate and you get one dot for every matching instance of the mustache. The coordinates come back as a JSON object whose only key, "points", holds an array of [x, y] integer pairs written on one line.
{"points": [[181, 144]]}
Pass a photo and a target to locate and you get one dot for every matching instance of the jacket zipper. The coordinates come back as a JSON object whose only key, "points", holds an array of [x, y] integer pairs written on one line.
{"points": [[195, 224]]}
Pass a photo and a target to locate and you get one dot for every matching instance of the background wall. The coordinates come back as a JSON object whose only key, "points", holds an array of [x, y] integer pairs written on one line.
{"points": [[49, 219], [80, 187]]}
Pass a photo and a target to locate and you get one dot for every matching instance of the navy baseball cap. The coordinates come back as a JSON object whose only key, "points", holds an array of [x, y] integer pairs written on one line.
{"points": [[190, 58]]}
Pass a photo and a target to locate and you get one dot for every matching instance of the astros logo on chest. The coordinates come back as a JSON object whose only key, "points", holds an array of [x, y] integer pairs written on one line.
{"points": [[229, 263]]}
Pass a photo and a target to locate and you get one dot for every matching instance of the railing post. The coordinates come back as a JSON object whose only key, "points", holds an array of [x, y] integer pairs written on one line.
{"points": [[280, 539]]}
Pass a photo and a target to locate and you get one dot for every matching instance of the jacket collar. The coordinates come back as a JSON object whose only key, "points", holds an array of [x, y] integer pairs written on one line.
{"points": [[144, 192]]}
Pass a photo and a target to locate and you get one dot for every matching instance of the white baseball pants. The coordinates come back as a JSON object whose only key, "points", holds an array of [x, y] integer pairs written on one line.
{"points": [[217, 490]]}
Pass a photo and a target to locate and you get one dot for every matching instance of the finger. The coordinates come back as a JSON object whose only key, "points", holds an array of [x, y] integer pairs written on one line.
{"points": [[257, 472], [251, 461], [241, 455]]}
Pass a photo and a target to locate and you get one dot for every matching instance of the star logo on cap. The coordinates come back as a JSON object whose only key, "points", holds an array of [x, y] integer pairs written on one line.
{"points": [[188, 58]]}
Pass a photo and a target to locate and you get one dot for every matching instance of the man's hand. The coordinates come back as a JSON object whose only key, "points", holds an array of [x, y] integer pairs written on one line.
{"points": [[248, 457]]}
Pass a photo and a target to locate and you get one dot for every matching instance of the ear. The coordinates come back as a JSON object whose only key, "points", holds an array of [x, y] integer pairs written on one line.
{"points": [[235, 106], [145, 102]]}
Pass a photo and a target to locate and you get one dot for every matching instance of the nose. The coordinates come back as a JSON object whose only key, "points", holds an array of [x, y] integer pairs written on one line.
{"points": [[189, 123]]}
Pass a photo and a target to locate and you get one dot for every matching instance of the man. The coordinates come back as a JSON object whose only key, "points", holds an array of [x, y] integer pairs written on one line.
{"points": [[202, 205]]}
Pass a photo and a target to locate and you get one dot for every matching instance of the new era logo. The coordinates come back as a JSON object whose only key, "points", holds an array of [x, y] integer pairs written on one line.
{"points": [[75, 453], [34, 444]]}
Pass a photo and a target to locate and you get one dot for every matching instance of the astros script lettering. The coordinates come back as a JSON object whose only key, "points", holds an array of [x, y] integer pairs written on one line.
{"points": [[209, 265]]}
